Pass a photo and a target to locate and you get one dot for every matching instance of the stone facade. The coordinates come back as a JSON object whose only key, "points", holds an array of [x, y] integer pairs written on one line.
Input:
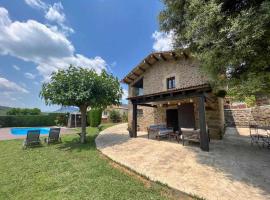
{"points": [[186, 73], [242, 117]]}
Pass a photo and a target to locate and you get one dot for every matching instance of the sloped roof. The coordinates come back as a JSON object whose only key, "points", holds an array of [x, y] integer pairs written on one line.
{"points": [[150, 60]]}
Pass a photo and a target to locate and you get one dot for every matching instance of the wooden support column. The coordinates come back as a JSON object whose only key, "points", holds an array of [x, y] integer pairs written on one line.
{"points": [[204, 143], [134, 120]]}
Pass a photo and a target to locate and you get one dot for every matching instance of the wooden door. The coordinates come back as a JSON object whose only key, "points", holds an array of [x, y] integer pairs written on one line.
{"points": [[172, 118], [186, 117]]}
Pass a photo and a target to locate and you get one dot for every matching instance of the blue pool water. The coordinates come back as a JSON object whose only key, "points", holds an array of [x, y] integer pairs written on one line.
{"points": [[23, 131]]}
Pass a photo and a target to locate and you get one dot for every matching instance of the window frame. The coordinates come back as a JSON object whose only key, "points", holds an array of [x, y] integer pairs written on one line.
{"points": [[170, 82]]}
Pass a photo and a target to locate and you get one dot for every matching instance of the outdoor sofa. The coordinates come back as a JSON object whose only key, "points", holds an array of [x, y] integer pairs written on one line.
{"points": [[160, 130]]}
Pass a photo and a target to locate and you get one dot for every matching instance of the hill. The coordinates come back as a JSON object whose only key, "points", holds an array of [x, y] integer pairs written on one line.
{"points": [[3, 110]]}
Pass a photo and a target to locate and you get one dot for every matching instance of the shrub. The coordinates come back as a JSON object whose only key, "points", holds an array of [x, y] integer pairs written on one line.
{"points": [[250, 101], [115, 116], [94, 117], [30, 120], [124, 117]]}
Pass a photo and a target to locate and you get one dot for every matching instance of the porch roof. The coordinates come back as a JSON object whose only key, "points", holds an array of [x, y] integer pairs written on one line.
{"points": [[175, 94], [150, 60]]}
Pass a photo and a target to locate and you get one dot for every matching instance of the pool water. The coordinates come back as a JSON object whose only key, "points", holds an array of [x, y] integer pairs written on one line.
{"points": [[23, 131]]}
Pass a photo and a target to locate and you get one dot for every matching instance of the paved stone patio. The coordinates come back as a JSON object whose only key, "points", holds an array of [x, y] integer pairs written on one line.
{"points": [[233, 169], [6, 135]]}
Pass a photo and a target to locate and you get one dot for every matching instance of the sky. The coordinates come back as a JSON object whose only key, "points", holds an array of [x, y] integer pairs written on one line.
{"points": [[38, 37]]}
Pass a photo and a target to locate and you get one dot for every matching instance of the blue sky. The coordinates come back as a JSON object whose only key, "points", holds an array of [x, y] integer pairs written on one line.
{"points": [[38, 37]]}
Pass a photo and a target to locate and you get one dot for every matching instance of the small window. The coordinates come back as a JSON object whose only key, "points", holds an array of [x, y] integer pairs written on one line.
{"points": [[171, 83], [140, 112]]}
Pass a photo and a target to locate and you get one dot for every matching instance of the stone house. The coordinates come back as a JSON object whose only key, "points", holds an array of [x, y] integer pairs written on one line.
{"points": [[169, 88]]}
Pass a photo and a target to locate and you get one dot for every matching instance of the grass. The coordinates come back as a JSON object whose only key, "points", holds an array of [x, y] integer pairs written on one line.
{"points": [[68, 171]]}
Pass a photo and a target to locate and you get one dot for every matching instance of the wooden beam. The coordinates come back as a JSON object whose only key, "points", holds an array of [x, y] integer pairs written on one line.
{"points": [[173, 55], [134, 120], [130, 79], [135, 74], [146, 62], [143, 70], [147, 105], [167, 98], [153, 56], [185, 55], [162, 57], [204, 137]]}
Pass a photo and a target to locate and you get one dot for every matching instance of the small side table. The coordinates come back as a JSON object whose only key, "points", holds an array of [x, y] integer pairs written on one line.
{"points": [[175, 135]]}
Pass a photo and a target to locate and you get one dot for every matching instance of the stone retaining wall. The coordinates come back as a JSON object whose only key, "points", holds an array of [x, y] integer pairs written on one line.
{"points": [[242, 117]]}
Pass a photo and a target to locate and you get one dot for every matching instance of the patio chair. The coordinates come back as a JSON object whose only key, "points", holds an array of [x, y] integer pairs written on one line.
{"points": [[32, 138], [265, 137], [54, 136], [253, 132], [192, 135]]}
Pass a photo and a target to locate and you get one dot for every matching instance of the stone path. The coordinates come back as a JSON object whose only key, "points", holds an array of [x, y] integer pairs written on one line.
{"points": [[233, 169]]}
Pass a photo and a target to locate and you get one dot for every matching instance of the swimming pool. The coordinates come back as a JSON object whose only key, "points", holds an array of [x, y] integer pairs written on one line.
{"points": [[23, 131]]}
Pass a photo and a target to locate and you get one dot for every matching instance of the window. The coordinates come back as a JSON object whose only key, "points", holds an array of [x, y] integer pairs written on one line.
{"points": [[140, 112], [171, 83]]}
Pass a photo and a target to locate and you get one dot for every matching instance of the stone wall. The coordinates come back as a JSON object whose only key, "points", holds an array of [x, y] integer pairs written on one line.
{"points": [[242, 117]]}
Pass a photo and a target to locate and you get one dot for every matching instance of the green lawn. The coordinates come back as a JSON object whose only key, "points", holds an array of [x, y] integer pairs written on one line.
{"points": [[67, 171]]}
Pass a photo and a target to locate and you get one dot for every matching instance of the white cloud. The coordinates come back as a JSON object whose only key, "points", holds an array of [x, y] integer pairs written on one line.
{"points": [[45, 46], [36, 4], [7, 87], [125, 94], [163, 41], [29, 75], [53, 13], [16, 67]]}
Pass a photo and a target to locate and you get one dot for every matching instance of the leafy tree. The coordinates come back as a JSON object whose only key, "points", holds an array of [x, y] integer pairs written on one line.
{"points": [[231, 39], [77, 86], [115, 116]]}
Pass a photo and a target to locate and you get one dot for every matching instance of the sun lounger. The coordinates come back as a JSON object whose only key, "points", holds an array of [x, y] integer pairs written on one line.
{"points": [[32, 138], [54, 136]]}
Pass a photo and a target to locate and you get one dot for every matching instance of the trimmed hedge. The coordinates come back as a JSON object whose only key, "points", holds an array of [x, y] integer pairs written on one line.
{"points": [[30, 120], [94, 117]]}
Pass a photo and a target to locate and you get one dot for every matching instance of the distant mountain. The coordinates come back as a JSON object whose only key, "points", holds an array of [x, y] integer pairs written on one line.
{"points": [[67, 109], [4, 109]]}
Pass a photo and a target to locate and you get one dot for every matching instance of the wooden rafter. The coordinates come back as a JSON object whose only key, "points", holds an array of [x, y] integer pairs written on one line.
{"points": [[136, 74], [147, 105], [162, 57], [173, 55], [153, 56], [142, 69], [146, 62]]}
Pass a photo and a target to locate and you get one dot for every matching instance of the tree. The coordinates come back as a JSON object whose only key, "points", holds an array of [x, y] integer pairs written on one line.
{"points": [[77, 86], [231, 39]]}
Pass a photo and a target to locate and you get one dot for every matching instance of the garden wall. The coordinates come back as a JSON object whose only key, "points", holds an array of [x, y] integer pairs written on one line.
{"points": [[242, 117]]}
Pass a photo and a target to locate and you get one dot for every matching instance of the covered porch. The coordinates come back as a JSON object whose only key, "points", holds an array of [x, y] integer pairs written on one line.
{"points": [[182, 108]]}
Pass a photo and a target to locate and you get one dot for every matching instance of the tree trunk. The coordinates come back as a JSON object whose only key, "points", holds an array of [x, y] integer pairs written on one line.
{"points": [[83, 110]]}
